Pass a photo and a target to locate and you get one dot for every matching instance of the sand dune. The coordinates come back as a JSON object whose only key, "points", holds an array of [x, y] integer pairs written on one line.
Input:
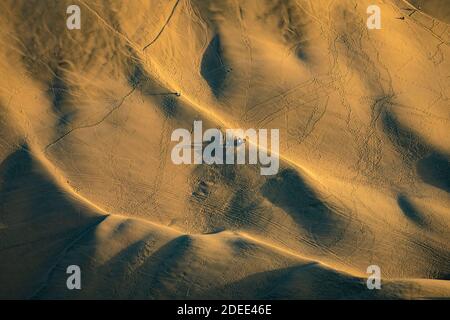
{"points": [[86, 176]]}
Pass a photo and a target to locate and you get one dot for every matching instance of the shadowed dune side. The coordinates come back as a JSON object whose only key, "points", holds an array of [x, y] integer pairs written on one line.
{"points": [[150, 262], [435, 170], [286, 189], [41, 221], [411, 212], [432, 165], [213, 66], [311, 281], [435, 8]]}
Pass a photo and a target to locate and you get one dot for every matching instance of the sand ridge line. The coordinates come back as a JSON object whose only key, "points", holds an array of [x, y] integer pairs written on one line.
{"points": [[163, 27], [212, 115], [58, 178]]}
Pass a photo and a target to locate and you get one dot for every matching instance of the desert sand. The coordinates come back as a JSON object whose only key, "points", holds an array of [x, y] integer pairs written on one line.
{"points": [[86, 176]]}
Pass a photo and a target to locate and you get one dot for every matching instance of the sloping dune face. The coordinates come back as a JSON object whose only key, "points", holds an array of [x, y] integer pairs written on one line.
{"points": [[87, 179], [436, 8]]}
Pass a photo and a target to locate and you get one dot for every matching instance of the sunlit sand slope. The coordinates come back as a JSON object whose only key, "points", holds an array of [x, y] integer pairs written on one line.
{"points": [[86, 176]]}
